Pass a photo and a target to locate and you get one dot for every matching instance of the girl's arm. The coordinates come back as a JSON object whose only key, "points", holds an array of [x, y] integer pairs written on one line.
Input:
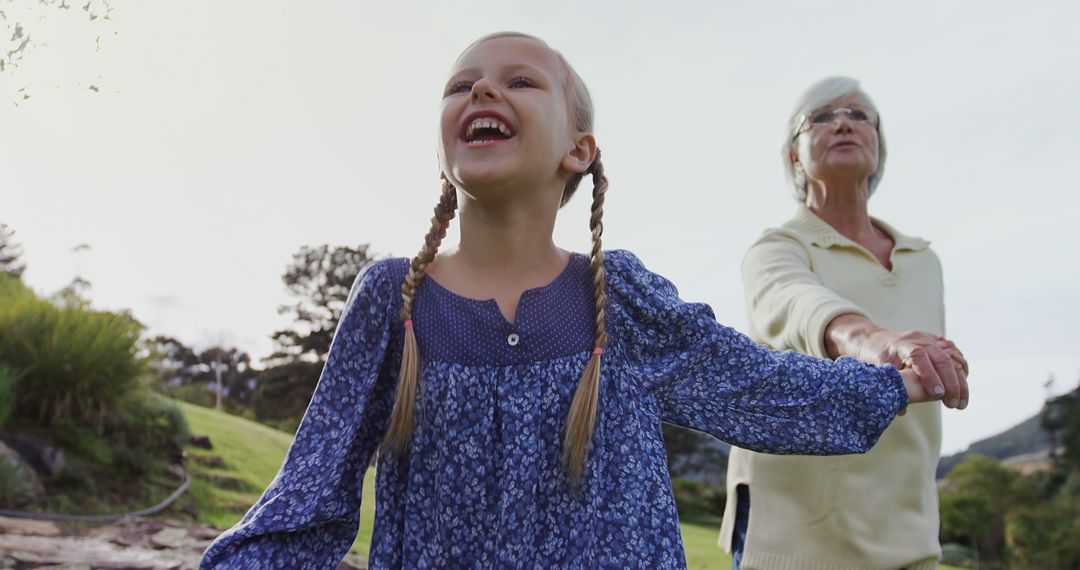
{"points": [[309, 514], [711, 378]]}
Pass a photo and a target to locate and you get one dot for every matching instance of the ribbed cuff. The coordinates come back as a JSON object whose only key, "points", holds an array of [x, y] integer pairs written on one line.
{"points": [[772, 561]]}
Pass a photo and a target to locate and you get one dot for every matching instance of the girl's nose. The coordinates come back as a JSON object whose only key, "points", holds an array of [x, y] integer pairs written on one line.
{"points": [[484, 90]]}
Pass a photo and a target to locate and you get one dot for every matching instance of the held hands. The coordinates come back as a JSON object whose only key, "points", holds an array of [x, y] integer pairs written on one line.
{"points": [[933, 367]]}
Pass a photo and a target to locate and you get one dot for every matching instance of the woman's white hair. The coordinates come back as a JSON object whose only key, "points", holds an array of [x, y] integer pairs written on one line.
{"points": [[817, 96]]}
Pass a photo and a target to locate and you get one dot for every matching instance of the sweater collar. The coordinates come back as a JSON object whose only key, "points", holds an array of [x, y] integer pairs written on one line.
{"points": [[821, 233]]}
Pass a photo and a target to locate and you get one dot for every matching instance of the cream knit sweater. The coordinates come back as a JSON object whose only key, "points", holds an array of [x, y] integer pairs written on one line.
{"points": [[877, 510]]}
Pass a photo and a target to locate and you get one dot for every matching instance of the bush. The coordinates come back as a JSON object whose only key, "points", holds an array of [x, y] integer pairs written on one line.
{"points": [[76, 363], [697, 500], [8, 377], [957, 555], [1044, 536], [283, 392], [146, 427], [85, 443]]}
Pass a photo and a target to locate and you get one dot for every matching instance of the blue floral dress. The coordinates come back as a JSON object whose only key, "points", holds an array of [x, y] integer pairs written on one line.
{"points": [[483, 485]]}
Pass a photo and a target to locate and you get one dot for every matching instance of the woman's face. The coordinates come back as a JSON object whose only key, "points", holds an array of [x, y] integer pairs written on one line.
{"points": [[841, 146]]}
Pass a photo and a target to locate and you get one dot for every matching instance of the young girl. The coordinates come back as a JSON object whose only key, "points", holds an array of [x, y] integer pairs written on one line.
{"points": [[516, 390]]}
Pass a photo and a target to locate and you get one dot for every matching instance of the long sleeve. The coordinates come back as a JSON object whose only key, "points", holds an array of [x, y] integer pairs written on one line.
{"points": [[710, 378], [788, 304], [309, 514]]}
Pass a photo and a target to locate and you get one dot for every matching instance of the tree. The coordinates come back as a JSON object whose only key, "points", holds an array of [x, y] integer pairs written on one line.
{"points": [[319, 278], [968, 515], [174, 363], [1061, 417], [22, 33], [977, 479], [234, 366], [10, 252], [282, 393]]}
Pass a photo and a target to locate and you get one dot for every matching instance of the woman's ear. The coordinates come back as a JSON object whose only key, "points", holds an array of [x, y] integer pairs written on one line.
{"points": [[581, 155]]}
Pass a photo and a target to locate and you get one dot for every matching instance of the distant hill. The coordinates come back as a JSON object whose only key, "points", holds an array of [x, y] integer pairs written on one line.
{"points": [[1026, 438]]}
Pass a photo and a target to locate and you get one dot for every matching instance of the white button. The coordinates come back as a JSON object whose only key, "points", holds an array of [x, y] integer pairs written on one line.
{"points": [[513, 339]]}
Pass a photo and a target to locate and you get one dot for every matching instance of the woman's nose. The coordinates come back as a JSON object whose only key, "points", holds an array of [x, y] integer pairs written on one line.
{"points": [[484, 90], [841, 123]]}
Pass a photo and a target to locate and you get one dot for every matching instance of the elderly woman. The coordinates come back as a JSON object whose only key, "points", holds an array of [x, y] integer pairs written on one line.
{"points": [[833, 281]]}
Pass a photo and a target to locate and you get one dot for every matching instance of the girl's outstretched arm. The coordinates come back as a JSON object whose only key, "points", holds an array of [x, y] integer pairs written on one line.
{"points": [[309, 514], [711, 378]]}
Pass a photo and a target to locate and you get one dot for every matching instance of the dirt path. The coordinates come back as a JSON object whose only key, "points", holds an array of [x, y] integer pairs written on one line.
{"points": [[135, 544]]}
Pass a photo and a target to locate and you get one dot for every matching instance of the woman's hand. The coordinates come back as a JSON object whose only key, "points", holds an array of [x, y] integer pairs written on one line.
{"points": [[937, 363]]}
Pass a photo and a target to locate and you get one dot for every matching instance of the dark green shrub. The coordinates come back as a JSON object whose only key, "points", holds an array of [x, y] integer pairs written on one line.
{"points": [[76, 363], [698, 500], [85, 443], [145, 429], [284, 391], [957, 555], [1045, 536], [8, 377]]}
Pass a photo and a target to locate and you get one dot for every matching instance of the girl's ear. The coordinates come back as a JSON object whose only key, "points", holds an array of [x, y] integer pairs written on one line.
{"points": [[581, 155]]}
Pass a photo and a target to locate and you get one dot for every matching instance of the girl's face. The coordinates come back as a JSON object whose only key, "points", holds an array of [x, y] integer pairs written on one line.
{"points": [[505, 118]]}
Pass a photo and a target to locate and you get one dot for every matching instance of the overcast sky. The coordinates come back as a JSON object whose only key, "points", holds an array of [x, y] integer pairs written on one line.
{"points": [[204, 142]]}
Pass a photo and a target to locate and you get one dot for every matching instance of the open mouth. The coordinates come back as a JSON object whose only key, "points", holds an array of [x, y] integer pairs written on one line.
{"points": [[486, 130]]}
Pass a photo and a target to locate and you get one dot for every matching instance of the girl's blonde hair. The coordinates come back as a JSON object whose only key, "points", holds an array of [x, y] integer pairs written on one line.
{"points": [[582, 416]]}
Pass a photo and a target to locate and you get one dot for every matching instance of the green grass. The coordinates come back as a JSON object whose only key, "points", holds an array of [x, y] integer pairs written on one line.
{"points": [[699, 540], [253, 454]]}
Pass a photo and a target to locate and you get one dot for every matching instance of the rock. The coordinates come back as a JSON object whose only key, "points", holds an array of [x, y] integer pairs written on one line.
{"points": [[353, 561], [28, 527], [178, 471], [202, 441], [173, 537], [44, 458], [203, 532], [228, 482], [213, 461], [19, 484]]}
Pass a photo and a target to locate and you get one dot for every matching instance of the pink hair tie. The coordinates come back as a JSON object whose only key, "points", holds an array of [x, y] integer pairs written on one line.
{"points": [[597, 351], [408, 324]]}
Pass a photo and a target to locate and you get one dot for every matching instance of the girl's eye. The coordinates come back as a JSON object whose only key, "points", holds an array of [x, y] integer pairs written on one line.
{"points": [[520, 82], [459, 87]]}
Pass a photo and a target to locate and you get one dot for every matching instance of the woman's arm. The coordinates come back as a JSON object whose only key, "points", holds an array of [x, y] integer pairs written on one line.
{"points": [[789, 306]]}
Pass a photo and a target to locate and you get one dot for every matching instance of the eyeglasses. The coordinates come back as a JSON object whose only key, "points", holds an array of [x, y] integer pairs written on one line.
{"points": [[826, 116]]}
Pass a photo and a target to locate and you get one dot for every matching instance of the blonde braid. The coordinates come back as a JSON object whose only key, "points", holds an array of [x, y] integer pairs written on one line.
{"points": [[399, 434], [581, 420]]}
